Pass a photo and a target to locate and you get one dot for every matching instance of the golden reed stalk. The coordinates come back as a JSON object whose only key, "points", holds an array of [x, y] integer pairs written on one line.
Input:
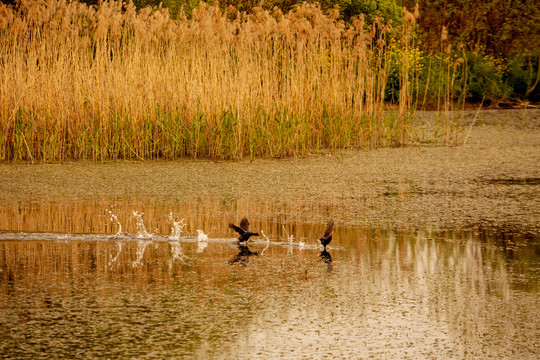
{"points": [[110, 82]]}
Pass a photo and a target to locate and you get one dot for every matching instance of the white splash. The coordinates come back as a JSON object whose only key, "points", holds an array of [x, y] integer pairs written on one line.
{"points": [[202, 240], [177, 227], [201, 246], [114, 218], [267, 242], [117, 254], [201, 236], [141, 229], [290, 238], [266, 237], [141, 246], [267, 245], [177, 253]]}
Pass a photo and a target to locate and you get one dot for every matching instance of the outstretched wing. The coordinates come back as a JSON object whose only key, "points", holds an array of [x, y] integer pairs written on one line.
{"points": [[237, 229], [329, 228], [244, 224]]}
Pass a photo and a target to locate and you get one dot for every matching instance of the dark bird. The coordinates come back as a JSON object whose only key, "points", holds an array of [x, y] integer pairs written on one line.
{"points": [[327, 237], [243, 230]]}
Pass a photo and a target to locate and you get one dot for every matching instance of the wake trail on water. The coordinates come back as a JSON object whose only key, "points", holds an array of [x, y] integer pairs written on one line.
{"points": [[144, 236]]}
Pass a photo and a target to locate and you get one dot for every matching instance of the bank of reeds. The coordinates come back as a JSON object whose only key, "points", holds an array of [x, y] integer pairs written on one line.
{"points": [[110, 82]]}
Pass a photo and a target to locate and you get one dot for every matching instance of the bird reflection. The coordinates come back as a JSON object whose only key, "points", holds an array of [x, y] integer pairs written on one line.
{"points": [[327, 259], [243, 255]]}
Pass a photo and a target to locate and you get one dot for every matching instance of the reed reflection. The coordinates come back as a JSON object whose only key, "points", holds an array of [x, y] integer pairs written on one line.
{"points": [[411, 287]]}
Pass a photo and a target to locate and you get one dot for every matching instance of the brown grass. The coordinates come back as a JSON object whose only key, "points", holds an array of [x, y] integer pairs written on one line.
{"points": [[108, 83]]}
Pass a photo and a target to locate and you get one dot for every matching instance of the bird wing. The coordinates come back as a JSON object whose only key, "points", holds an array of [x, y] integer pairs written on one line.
{"points": [[244, 224], [329, 228], [237, 229]]}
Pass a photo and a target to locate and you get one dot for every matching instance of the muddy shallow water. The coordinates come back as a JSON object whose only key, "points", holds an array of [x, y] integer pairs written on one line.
{"points": [[436, 254]]}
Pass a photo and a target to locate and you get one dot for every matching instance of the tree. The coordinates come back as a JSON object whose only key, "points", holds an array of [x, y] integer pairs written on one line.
{"points": [[500, 27]]}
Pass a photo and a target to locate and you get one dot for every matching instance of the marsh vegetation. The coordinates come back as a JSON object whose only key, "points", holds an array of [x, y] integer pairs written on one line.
{"points": [[111, 82]]}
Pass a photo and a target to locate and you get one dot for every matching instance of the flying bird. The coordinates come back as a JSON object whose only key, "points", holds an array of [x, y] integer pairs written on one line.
{"points": [[243, 230], [327, 237]]}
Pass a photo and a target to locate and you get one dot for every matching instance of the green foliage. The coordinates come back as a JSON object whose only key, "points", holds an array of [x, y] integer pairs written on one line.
{"points": [[386, 9], [486, 78], [415, 61], [522, 76], [500, 27], [518, 76], [471, 76], [497, 79]]}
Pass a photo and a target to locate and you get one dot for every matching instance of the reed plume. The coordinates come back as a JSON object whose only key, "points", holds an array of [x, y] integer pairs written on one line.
{"points": [[111, 82]]}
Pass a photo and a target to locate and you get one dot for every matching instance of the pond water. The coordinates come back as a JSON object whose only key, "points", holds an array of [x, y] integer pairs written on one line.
{"points": [[380, 294], [436, 254]]}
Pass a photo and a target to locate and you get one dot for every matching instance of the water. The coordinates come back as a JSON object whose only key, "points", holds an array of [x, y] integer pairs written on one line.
{"points": [[436, 254], [381, 294]]}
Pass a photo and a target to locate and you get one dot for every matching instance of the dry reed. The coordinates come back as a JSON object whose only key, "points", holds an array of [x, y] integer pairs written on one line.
{"points": [[110, 82]]}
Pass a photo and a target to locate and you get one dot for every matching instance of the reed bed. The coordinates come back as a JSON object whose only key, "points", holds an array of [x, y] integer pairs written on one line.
{"points": [[110, 82]]}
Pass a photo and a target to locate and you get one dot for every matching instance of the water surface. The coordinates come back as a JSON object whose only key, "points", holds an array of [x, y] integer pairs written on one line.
{"points": [[436, 254], [380, 294]]}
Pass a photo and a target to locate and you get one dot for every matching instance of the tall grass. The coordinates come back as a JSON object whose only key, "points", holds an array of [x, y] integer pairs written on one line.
{"points": [[110, 82]]}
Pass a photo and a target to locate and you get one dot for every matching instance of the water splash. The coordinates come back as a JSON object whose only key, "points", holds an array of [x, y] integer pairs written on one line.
{"points": [[266, 247], [177, 227], [176, 254], [141, 246], [290, 238], [141, 229], [114, 218], [113, 260], [201, 236], [201, 246], [202, 239], [267, 242], [176, 250], [266, 237]]}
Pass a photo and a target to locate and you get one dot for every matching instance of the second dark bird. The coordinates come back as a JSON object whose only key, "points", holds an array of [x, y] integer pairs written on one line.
{"points": [[327, 237], [243, 230]]}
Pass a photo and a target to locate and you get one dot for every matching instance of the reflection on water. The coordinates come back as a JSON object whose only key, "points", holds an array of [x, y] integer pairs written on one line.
{"points": [[327, 259], [243, 255], [375, 293], [148, 218]]}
